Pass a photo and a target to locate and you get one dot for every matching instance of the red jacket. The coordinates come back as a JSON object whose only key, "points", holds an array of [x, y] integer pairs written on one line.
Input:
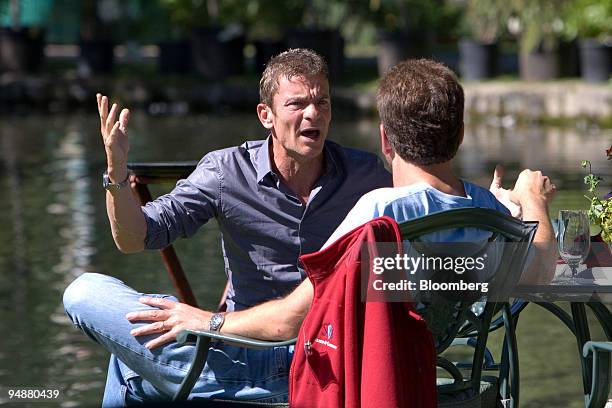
{"points": [[355, 354]]}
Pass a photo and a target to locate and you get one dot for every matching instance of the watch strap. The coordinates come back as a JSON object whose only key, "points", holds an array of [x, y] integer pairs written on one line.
{"points": [[110, 186]]}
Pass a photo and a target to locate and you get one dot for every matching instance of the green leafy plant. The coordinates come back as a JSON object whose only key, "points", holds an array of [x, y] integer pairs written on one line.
{"points": [[588, 19], [600, 210], [188, 14], [541, 23], [402, 15], [484, 20]]}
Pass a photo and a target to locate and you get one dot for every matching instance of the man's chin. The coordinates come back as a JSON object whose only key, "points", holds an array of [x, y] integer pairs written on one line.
{"points": [[307, 153], [312, 150]]}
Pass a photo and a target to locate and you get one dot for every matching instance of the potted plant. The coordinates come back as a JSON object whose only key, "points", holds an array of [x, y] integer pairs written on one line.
{"points": [[22, 34], [96, 40], [482, 24], [590, 21], [216, 39], [541, 26], [600, 209], [318, 29], [265, 22], [175, 44], [404, 28]]}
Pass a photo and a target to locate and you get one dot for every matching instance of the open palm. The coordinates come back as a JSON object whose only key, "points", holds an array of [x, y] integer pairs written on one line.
{"points": [[114, 135]]}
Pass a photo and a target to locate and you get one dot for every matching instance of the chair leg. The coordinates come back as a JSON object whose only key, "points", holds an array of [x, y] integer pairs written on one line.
{"points": [[197, 365], [509, 371]]}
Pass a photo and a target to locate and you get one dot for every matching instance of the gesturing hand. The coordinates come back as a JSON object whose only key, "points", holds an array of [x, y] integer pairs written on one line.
{"points": [[114, 136], [534, 184], [170, 319], [503, 195]]}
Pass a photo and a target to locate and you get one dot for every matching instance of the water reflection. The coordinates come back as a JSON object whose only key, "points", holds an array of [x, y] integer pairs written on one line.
{"points": [[71, 195], [13, 259], [556, 151], [54, 228]]}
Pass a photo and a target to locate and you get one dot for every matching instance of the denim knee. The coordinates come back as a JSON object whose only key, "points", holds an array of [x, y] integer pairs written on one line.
{"points": [[81, 292]]}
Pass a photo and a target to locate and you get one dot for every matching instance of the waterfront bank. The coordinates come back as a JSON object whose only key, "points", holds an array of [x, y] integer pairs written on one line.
{"points": [[565, 100]]}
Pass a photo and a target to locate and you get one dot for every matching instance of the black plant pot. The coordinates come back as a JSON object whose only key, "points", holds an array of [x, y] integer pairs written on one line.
{"points": [[264, 50], [174, 57], [328, 43], [217, 52], [569, 59], [21, 50], [540, 65], [477, 60], [97, 56], [595, 60], [396, 46]]}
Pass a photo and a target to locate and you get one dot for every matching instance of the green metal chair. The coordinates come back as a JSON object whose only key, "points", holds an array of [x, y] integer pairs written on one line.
{"points": [[600, 352], [452, 322], [467, 323]]}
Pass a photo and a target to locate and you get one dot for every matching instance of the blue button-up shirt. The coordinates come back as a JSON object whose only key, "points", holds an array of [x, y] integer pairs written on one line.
{"points": [[264, 225]]}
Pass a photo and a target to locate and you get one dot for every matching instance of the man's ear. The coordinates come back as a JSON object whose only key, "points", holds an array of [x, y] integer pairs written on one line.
{"points": [[385, 146], [265, 115]]}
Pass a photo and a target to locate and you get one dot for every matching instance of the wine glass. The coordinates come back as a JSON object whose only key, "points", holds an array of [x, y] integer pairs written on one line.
{"points": [[573, 239]]}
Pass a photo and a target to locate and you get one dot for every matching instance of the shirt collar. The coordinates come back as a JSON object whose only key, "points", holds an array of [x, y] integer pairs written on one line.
{"points": [[263, 166], [331, 162]]}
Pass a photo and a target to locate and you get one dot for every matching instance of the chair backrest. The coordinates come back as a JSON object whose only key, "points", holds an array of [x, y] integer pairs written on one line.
{"points": [[452, 313]]}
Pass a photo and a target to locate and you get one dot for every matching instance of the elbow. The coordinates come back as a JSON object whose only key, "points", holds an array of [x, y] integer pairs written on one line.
{"points": [[129, 247], [540, 273], [289, 327], [128, 251], [286, 331]]}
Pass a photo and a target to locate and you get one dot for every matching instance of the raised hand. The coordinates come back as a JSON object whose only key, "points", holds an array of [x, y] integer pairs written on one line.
{"points": [[503, 195], [114, 136]]}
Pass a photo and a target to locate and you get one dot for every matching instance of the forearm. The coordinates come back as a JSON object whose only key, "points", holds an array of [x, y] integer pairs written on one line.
{"points": [[542, 266], [127, 221], [274, 320]]}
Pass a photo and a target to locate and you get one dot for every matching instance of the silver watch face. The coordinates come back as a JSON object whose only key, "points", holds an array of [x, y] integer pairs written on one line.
{"points": [[216, 321], [105, 180], [109, 185]]}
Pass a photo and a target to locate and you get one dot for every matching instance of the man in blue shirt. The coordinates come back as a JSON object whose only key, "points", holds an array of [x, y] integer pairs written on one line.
{"points": [[274, 200]]}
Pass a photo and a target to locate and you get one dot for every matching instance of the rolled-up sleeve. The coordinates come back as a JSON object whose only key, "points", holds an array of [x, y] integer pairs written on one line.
{"points": [[187, 207]]}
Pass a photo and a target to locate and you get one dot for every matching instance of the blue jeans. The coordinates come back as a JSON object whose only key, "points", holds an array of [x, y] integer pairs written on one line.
{"points": [[97, 304]]}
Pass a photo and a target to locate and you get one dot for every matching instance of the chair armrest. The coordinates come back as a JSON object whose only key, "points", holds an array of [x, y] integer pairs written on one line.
{"points": [[151, 172], [203, 338], [595, 346], [600, 379], [233, 339]]}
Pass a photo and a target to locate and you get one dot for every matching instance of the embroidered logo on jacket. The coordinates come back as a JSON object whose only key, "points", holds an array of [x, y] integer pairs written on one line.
{"points": [[327, 331]]}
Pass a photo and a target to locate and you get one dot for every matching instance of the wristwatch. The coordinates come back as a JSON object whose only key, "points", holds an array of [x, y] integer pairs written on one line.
{"points": [[110, 186], [216, 321]]}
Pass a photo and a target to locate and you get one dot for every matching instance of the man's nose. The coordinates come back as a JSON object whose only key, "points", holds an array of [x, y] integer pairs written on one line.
{"points": [[311, 111]]}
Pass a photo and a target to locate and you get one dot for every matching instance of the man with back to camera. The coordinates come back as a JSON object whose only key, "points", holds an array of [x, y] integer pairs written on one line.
{"points": [[274, 200]]}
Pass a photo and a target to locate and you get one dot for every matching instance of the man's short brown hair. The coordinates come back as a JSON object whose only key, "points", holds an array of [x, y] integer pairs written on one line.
{"points": [[288, 64], [420, 103]]}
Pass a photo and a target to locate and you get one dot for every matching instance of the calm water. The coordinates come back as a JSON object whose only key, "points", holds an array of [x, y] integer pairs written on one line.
{"points": [[54, 228]]}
